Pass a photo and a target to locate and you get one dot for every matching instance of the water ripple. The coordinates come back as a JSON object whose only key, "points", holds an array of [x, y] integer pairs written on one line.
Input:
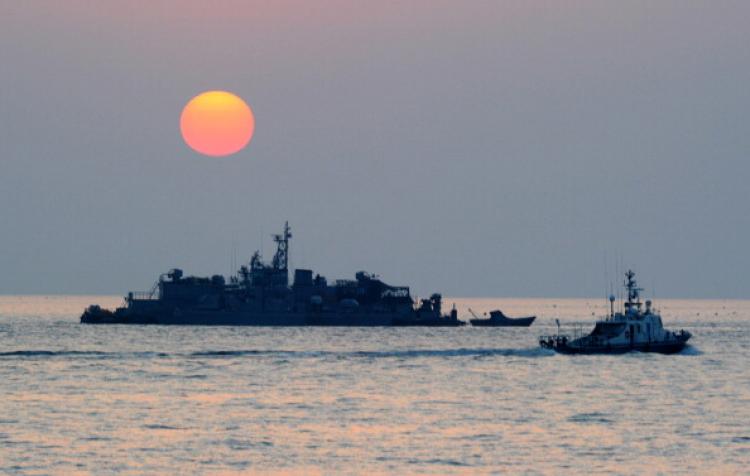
{"points": [[180, 399]]}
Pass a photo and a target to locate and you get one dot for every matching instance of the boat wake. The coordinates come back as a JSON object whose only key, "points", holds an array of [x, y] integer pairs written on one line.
{"points": [[50, 353], [78, 353], [529, 352], [690, 350]]}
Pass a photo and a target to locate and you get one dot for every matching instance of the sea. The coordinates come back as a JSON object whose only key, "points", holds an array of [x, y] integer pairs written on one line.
{"points": [[236, 400]]}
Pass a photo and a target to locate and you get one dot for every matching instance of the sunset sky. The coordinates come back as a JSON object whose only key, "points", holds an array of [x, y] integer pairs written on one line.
{"points": [[477, 148]]}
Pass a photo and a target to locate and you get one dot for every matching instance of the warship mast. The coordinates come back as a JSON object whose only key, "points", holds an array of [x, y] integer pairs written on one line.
{"points": [[281, 258]]}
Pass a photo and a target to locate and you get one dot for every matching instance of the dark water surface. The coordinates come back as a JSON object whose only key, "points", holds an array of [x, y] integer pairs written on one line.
{"points": [[122, 399]]}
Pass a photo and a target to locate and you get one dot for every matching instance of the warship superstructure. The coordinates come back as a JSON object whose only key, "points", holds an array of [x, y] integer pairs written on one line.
{"points": [[633, 328], [260, 294]]}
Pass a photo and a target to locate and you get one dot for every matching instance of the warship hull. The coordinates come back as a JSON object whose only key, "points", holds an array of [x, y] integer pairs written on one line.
{"points": [[224, 318], [438, 322]]}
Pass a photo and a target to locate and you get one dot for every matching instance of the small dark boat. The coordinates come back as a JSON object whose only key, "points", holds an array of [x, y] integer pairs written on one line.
{"points": [[498, 319]]}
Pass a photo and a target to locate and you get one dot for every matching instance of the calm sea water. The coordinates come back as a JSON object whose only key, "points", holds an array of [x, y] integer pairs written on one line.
{"points": [[184, 400]]}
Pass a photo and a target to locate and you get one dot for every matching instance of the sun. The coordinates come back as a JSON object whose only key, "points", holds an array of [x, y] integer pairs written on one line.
{"points": [[217, 123]]}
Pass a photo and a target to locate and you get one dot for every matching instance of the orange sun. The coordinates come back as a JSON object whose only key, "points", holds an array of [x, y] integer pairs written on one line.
{"points": [[217, 123]]}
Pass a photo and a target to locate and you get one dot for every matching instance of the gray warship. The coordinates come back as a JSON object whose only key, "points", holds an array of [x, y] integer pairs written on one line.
{"points": [[260, 295]]}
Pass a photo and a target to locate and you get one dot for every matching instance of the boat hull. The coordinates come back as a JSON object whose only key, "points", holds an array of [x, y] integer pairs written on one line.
{"points": [[508, 322], [669, 347]]}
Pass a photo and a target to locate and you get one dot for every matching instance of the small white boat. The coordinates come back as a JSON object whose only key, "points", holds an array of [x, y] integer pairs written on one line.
{"points": [[632, 329]]}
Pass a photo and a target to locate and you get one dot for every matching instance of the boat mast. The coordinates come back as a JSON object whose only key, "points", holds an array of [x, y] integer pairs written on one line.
{"points": [[634, 297]]}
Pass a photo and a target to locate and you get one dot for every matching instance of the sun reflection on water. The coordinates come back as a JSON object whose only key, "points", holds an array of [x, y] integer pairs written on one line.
{"points": [[381, 401]]}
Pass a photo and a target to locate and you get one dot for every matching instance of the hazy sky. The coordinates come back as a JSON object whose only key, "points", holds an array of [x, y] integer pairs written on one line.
{"points": [[477, 148]]}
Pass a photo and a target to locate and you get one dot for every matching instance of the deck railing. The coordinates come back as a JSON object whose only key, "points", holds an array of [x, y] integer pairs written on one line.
{"points": [[142, 296]]}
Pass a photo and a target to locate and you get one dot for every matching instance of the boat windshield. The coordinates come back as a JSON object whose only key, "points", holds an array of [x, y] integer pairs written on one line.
{"points": [[608, 329]]}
